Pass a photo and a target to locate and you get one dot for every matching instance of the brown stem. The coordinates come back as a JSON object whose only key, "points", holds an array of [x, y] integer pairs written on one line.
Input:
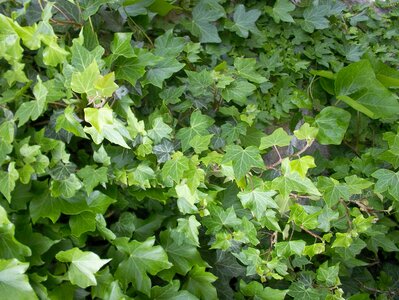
{"points": [[312, 233], [347, 213], [293, 155]]}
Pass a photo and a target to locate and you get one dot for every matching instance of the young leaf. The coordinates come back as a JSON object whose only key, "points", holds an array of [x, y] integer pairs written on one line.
{"points": [[7, 180], [13, 280], [84, 264], [257, 201]]}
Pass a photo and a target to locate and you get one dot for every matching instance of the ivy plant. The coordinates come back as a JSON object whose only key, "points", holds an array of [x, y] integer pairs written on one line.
{"points": [[205, 149]]}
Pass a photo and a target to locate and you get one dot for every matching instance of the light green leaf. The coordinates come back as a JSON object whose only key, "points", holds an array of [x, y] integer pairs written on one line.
{"points": [[105, 85], [302, 218], [175, 167], [356, 184], [278, 138], [10, 247], [189, 228], [82, 58], [141, 258], [332, 123], [53, 54], [286, 249], [121, 46], [69, 122], [258, 291], [33, 109], [306, 132], [201, 143], [244, 21], [199, 125], [92, 177], [13, 280], [387, 180], [186, 199], [7, 180], [342, 240], [84, 265], [99, 117], [243, 160], [83, 82], [257, 201], [159, 130], [141, 176], [302, 165]]}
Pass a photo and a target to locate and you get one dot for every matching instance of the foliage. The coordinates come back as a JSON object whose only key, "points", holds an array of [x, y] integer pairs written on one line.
{"points": [[199, 149]]}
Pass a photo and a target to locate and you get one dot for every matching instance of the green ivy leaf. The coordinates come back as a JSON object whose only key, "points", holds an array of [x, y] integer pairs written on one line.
{"points": [[84, 264], [333, 191], [358, 81], [159, 130], [142, 258], [171, 292], [33, 109], [204, 14], [332, 123], [257, 201], [281, 11], [175, 167], [92, 177], [10, 247], [83, 82], [162, 71], [199, 125], [13, 280], [7, 180], [244, 21], [99, 117], [278, 138], [199, 283], [256, 289], [387, 180], [243, 160], [219, 219], [246, 67], [65, 188], [238, 91], [69, 122]]}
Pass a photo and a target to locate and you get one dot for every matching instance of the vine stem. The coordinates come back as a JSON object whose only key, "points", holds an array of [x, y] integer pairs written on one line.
{"points": [[293, 155], [316, 236], [347, 213]]}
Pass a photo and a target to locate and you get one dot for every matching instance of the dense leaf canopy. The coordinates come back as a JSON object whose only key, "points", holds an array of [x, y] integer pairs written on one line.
{"points": [[204, 149]]}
